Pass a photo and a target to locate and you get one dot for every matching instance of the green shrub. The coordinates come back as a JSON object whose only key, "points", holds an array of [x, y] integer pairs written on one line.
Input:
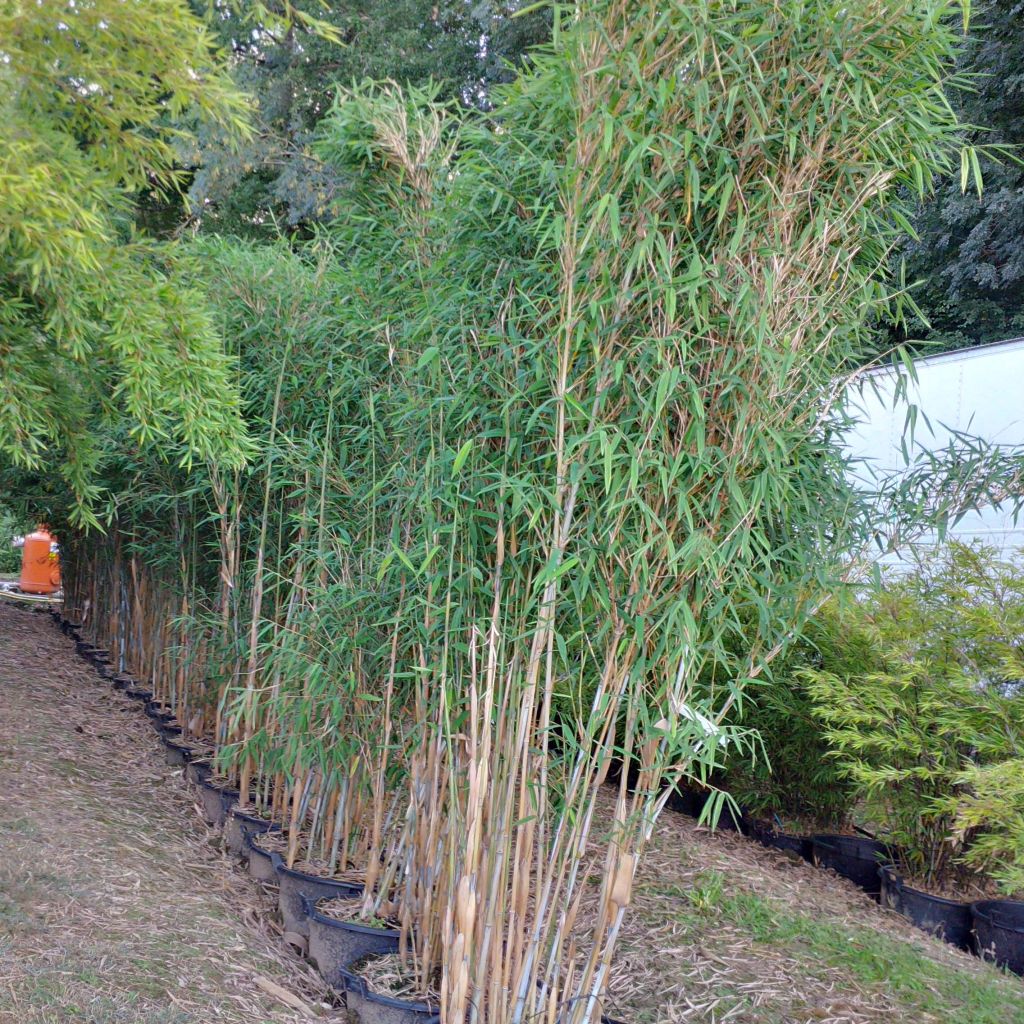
{"points": [[990, 821], [11, 526], [941, 703], [796, 778]]}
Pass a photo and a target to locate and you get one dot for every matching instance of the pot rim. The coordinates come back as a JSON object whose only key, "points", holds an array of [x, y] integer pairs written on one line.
{"points": [[823, 840], [309, 905], [985, 909], [220, 787], [250, 844], [352, 981], [892, 876], [253, 819], [356, 888]]}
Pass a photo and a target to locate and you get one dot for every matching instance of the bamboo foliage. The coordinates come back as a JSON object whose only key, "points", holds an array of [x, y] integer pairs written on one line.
{"points": [[682, 358], [547, 468]]}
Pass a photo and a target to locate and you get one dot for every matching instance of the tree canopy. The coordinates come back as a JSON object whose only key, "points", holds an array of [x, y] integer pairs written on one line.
{"points": [[969, 255], [96, 96], [292, 72]]}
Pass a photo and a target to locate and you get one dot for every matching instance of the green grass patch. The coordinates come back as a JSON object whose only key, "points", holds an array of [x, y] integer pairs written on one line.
{"points": [[922, 985]]}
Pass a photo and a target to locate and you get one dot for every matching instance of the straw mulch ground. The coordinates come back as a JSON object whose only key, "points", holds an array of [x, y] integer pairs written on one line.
{"points": [[723, 930], [116, 909], [114, 904]]}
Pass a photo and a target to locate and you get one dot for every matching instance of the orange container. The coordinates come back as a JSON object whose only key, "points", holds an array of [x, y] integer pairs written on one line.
{"points": [[40, 570]]}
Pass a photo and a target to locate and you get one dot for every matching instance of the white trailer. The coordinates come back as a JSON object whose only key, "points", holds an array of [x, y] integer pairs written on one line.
{"points": [[978, 391]]}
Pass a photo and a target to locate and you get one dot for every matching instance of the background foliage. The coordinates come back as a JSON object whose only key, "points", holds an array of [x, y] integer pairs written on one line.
{"points": [[969, 253], [96, 321], [792, 780], [11, 525], [277, 179]]}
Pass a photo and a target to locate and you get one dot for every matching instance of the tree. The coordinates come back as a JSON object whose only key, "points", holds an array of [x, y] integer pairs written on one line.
{"points": [[95, 320], [293, 71], [970, 248]]}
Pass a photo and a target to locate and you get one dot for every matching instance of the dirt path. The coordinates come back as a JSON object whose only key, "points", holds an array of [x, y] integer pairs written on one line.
{"points": [[115, 907]]}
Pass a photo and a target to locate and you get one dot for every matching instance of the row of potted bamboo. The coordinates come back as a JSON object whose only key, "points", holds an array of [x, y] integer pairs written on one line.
{"points": [[335, 911], [330, 914], [547, 468], [991, 928]]}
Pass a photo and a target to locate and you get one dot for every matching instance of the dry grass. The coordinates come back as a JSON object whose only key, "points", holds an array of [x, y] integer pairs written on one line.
{"points": [[114, 905]]}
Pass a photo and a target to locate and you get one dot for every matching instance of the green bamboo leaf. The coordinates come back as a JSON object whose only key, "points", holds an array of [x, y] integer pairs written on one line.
{"points": [[461, 457]]}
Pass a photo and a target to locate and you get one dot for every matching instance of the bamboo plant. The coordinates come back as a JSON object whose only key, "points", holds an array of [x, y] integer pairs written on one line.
{"points": [[548, 468]]}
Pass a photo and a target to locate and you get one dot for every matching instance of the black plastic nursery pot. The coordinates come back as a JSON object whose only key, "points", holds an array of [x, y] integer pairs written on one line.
{"points": [[774, 840], [335, 945], [603, 1018], [682, 799], [161, 722], [945, 919], [853, 857], [685, 801], [176, 754], [198, 769], [617, 767], [238, 823], [729, 820], [228, 799], [159, 718], [213, 807], [369, 1008], [217, 799], [262, 863], [999, 932], [292, 885], [692, 802]]}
